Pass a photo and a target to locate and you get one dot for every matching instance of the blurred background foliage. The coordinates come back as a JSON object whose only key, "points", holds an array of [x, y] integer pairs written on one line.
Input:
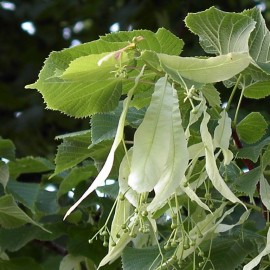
{"points": [[31, 29]]}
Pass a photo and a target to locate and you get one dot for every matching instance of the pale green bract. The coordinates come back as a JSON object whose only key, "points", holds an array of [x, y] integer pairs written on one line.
{"points": [[222, 136], [150, 152], [210, 70], [211, 166], [177, 161]]}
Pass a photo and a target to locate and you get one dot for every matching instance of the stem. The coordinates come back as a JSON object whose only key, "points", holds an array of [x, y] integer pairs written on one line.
{"points": [[233, 92], [238, 107]]}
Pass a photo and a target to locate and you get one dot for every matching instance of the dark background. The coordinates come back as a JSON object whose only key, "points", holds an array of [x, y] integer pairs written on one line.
{"points": [[23, 117]]}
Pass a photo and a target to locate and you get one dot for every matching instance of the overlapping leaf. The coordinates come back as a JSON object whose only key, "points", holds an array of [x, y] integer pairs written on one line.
{"points": [[11, 216]]}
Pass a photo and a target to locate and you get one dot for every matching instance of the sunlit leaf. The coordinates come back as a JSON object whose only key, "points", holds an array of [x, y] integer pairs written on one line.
{"points": [[161, 41], [259, 40], [69, 95], [221, 32]]}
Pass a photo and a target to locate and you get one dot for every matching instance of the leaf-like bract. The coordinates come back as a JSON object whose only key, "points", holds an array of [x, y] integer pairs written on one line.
{"points": [[210, 70], [252, 127], [265, 191], [177, 161], [148, 161], [122, 212], [222, 136], [211, 166]]}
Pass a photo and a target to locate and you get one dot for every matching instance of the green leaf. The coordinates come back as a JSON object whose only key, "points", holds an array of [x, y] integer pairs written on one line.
{"points": [[259, 41], [25, 193], [253, 152], [254, 262], [147, 164], [75, 176], [228, 252], [221, 32], [14, 239], [29, 165], [4, 174], [258, 90], [212, 95], [7, 149], [20, 264], [210, 70], [169, 43], [72, 150], [47, 202], [252, 128], [247, 182], [112, 190], [143, 258], [104, 126], [69, 95], [11, 216], [162, 41]]}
